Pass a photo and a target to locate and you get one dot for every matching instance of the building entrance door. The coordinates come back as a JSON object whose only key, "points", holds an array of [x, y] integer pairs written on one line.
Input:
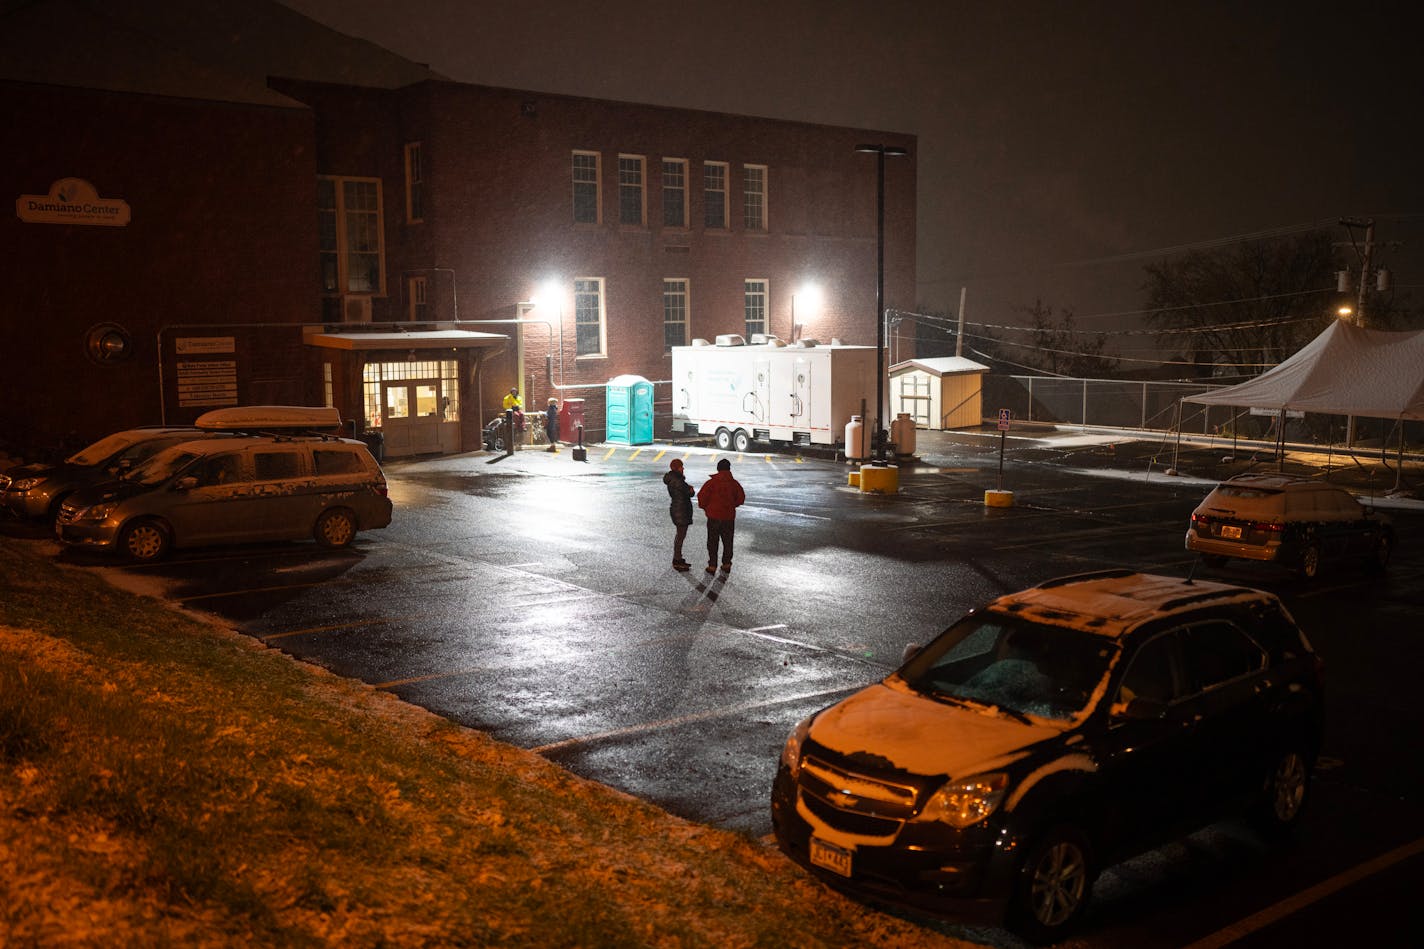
{"points": [[412, 416]]}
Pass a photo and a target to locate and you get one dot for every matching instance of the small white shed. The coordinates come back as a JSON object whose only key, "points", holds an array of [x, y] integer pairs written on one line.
{"points": [[942, 392]]}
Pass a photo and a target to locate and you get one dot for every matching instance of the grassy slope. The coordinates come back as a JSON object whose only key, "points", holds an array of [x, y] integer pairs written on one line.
{"points": [[163, 781]]}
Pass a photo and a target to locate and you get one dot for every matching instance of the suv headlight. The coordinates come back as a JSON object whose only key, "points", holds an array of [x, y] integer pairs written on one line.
{"points": [[25, 484], [96, 512], [791, 751], [967, 801]]}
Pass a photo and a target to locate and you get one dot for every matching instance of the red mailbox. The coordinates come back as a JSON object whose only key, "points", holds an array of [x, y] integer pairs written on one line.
{"points": [[570, 420]]}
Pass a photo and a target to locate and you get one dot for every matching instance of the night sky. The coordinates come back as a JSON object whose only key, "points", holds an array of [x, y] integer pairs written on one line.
{"points": [[1055, 138]]}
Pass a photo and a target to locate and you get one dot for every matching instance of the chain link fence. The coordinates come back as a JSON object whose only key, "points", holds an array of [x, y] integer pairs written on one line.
{"points": [[1154, 407]]}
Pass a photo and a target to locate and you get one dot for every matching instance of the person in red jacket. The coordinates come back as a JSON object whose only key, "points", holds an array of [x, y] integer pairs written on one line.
{"points": [[720, 497]]}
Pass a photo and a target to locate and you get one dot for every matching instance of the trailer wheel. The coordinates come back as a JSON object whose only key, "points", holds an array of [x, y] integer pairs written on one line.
{"points": [[741, 441], [723, 439]]}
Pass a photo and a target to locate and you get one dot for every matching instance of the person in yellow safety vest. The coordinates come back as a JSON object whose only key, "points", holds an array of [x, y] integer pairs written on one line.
{"points": [[511, 401]]}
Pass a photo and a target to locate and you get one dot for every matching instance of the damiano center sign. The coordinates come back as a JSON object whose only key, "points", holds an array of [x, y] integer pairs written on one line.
{"points": [[72, 201]]}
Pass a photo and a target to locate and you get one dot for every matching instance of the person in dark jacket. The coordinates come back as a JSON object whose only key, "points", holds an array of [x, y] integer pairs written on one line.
{"points": [[551, 423], [720, 497], [679, 509]]}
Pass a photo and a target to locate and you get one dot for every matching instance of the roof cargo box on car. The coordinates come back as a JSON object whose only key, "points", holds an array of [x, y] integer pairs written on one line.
{"points": [[270, 418]]}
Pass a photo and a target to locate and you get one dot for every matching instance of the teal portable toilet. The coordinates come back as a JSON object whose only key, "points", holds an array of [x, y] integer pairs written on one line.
{"points": [[630, 410]]}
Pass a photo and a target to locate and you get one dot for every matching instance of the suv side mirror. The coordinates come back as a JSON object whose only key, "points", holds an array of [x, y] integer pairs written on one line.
{"points": [[1140, 710], [911, 651], [185, 484]]}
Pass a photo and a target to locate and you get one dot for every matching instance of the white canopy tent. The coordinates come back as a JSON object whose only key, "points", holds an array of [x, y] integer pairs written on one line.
{"points": [[1346, 370]]}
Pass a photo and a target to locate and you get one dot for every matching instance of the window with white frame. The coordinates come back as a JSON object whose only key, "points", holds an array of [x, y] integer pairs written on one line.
{"points": [[351, 236], [674, 192], [587, 201], [754, 197], [632, 196], [588, 316], [419, 305], [754, 307], [414, 183], [674, 312], [714, 194]]}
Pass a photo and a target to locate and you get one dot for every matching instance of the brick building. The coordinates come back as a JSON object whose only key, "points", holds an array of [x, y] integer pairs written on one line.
{"points": [[310, 219]]}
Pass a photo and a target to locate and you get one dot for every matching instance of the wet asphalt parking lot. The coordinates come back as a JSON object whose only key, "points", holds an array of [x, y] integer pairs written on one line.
{"points": [[532, 597]]}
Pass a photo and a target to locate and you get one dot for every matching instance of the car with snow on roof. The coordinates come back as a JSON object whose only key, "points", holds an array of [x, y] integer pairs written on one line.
{"points": [[36, 490], [1048, 735], [277, 478], [1298, 523]]}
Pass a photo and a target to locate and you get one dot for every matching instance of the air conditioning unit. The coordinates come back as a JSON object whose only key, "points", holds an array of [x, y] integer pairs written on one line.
{"points": [[356, 309]]}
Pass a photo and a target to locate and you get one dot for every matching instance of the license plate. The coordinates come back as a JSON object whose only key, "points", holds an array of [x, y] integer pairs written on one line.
{"points": [[827, 855], [1231, 531]]}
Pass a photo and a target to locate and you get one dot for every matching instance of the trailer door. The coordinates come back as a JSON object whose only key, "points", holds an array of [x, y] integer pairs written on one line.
{"points": [[760, 396]]}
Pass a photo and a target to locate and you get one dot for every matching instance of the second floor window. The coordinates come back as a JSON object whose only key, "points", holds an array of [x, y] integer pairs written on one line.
{"points": [[631, 196], [674, 192], [674, 312], [414, 183], [714, 194], [586, 199], [754, 294], [754, 197], [350, 233], [588, 316]]}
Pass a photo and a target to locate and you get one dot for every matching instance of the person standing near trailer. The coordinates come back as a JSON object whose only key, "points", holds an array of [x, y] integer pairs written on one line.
{"points": [[720, 497], [679, 509]]}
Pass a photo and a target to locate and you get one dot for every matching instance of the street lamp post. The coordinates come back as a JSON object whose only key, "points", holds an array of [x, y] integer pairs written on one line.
{"points": [[880, 152]]}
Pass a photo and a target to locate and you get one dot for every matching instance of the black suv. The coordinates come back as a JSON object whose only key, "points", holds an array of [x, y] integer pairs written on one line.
{"points": [[1049, 734]]}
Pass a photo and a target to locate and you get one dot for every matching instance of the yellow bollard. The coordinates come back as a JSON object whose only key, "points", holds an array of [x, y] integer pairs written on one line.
{"points": [[854, 479], [879, 479], [995, 498]]}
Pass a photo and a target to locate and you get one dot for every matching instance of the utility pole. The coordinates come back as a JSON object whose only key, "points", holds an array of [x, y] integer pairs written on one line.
{"points": [[1369, 226], [959, 337]]}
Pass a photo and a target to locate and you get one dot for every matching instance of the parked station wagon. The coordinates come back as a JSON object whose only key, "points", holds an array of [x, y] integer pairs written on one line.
{"points": [[1048, 735], [37, 490], [237, 489], [1295, 522]]}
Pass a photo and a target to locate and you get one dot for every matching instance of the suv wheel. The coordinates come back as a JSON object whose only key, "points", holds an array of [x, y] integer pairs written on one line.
{"points": [[1283, 798], [1053, 886], [1310, 561], [145, 540], [335, 528]]}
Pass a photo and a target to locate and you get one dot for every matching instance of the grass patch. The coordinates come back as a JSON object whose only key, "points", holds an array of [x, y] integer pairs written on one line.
{"points": [[164, 781]]}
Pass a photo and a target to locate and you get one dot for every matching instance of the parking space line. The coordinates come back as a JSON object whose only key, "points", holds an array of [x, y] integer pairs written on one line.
{"points": [[1298, 902], [247, 590], [686, 720], [636, 453], [609, 454], [327, 629]]}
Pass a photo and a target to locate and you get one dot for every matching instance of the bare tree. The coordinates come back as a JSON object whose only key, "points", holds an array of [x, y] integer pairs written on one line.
{"points": [[1055, 345], [1248, 306]]}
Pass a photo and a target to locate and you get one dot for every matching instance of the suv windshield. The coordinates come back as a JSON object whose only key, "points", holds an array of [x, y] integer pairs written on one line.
{"points": [[103, 449], [1019, 667], [161, 466]]}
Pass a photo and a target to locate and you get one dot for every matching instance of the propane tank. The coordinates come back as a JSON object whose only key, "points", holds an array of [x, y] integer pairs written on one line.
{"points": [[902, 433], [855, 446]]}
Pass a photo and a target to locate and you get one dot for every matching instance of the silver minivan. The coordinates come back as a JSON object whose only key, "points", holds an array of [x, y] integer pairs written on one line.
{"points": [[238, 489]]}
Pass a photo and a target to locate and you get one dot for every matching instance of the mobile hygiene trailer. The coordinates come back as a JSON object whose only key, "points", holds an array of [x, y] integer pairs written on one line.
{"points": [[802, 394]]}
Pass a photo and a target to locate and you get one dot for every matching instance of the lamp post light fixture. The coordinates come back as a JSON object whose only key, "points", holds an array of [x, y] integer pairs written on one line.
{"points": [[880, 152]]}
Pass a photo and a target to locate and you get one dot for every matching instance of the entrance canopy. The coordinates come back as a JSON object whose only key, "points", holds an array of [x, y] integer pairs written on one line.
{"points": [[423, 339], [1346, 370]]}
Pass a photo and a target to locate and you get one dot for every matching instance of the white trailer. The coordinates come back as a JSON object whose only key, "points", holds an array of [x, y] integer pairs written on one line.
{"points": [[802, 394]]}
